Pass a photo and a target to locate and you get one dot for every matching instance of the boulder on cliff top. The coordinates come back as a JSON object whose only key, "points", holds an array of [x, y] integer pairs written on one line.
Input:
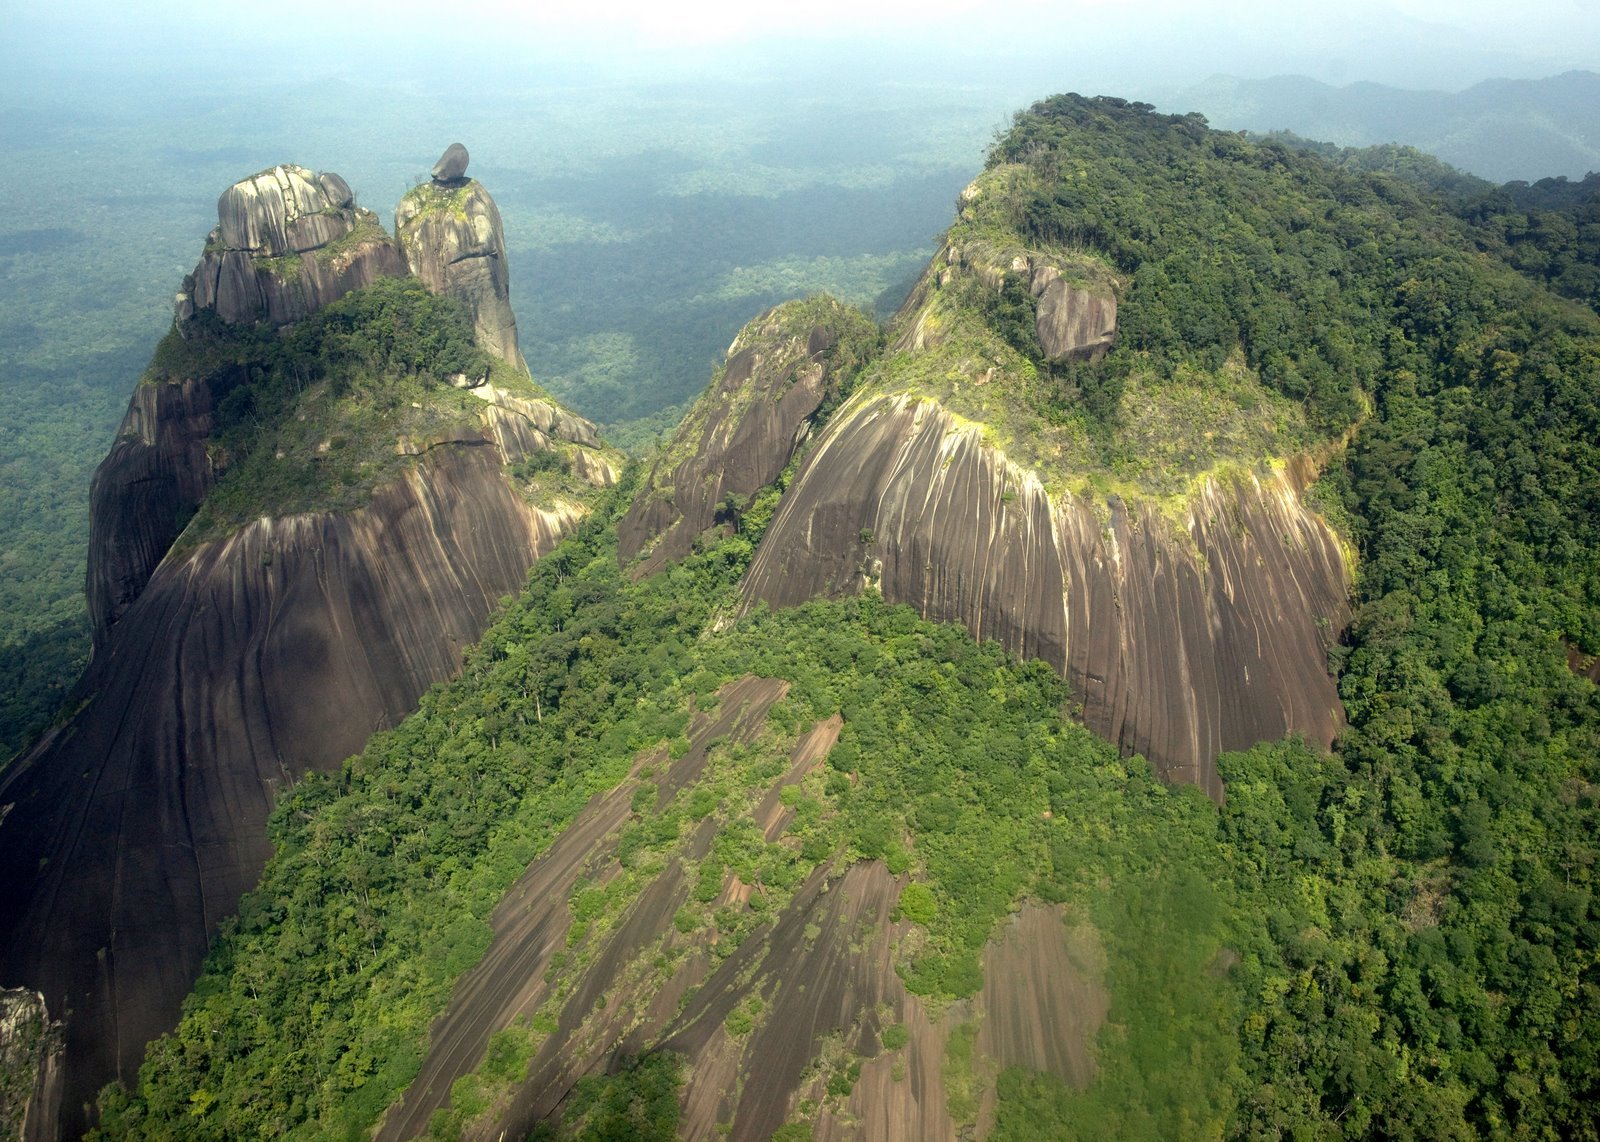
{"points": [[453, 240], [452, 165]]}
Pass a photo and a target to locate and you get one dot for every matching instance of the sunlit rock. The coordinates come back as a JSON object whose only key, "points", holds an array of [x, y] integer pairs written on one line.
{"points": [[453, 240], [287, 243]]}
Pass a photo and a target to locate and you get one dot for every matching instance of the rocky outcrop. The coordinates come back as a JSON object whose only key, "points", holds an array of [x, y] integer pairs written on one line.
{"points": [[226, 669], [30, 1066], [287, 243], [1074, 298], [742, 432], [1183, 632], [453, 240], [281, 649], [1074, 324], [157, 472]]}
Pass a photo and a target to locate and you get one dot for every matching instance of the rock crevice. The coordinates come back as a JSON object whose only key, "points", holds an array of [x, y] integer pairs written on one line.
{"points": [[287, 242]]}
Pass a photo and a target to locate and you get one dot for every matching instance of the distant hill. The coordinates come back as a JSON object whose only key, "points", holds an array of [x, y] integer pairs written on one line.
{"points": [[1500, 129]]}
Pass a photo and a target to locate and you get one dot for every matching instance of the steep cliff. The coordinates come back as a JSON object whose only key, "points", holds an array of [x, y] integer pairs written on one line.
{"points": [[295, 535], [1181, 637], [450, 231], [156, 474], [287, 242], [135, 828], [740, 435], [1190, 598], [29, 1063]]}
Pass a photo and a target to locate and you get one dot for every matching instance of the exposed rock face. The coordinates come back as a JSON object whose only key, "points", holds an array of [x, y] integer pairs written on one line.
{"points": [[241, 666], [156, 473], [1075, 324], [287, 243], [453, 240], [820, 975], [1180, 639], [1075, 302], [161, 467], [742, 433], [452, 164], [30, 1066], [225, 672]]}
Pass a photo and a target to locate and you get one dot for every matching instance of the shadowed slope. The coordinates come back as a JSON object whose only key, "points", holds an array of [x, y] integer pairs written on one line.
{"points": [[137, 826], [742, 432]]}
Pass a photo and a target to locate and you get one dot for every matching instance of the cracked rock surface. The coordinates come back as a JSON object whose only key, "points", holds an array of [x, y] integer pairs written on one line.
{"points": [[287, 242], [453, 240]]}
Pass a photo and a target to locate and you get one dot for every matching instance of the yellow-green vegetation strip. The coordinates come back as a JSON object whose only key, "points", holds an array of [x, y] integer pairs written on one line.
{"points": [[433, 198], [366, 230]]}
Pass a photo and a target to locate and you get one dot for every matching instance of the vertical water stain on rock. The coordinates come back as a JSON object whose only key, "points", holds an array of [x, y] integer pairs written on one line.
{"points": [[1181, 640]]}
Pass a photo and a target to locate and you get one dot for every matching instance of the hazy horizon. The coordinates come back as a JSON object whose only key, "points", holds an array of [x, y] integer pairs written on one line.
{"points": [[1134, 48]]}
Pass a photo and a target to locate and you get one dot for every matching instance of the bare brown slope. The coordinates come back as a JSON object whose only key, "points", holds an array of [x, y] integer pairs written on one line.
{"points": [[533, 920], [777, 1015], [743, 431], [134, 830], [1181, 638]]}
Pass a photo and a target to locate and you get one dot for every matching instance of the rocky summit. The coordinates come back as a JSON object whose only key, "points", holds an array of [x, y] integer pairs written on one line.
{"points": [[236, 652], [287, 242], [452, 237]]}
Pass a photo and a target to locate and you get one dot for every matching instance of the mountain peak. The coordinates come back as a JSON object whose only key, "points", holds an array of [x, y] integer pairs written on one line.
{"points": [[450, 232], [287, 242]]}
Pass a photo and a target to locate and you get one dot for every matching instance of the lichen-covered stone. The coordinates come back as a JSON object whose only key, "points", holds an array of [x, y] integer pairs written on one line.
{"points": [[287, 243], [453, 240]]}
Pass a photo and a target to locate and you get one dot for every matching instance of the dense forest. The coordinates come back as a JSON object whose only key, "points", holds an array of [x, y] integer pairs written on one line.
{"points": [[1399, 938]]}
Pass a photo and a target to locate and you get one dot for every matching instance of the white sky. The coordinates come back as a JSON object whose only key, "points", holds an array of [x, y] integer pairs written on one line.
{"points": [[1429, 42]]}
